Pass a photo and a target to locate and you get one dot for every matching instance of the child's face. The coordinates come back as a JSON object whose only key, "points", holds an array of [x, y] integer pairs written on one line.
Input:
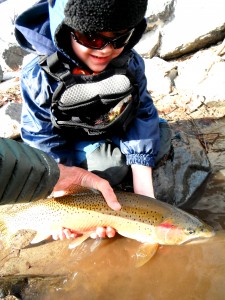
{"points": [[97, 60]]}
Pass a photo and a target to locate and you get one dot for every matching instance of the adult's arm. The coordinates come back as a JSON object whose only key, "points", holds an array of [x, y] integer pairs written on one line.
{"points": [[26, 173]]}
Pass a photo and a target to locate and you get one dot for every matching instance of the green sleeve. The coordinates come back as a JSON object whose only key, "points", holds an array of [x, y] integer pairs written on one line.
{"points": [[26, 173]]}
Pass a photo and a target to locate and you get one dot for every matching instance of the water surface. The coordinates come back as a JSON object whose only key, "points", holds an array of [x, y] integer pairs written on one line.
{"points": [[106, 270]]}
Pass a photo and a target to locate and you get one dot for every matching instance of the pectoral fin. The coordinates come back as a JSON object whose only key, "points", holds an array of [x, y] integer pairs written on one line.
{"points": [[144, 253], [40, 236], [79, 240]]}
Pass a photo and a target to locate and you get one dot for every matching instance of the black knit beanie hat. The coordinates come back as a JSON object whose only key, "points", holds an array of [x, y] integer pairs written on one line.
{"points": [[97, 16], [104, 15]]}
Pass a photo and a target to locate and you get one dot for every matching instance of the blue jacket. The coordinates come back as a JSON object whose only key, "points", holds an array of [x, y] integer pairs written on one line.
{"points": [[35, 32]]}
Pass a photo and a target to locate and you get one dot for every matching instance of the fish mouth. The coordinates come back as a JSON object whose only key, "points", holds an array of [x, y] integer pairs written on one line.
{"points": [[200, 239], [197, 241], [208, 232]]}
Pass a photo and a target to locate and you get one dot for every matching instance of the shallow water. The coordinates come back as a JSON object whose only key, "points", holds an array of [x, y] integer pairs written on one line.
{"points": [[105, 270], [188, 272]]}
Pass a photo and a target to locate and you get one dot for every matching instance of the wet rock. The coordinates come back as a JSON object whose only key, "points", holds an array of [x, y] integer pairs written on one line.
{"points": [[180, 178], [26, 287], [12, 287]]}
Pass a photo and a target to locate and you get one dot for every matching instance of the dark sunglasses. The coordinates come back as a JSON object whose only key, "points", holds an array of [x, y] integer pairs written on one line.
{"points": [[98, 41]]}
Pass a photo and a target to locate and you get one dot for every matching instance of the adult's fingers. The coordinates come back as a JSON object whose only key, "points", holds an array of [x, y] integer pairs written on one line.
{"points": [[95, 182], [109, 195], [72, 176]]}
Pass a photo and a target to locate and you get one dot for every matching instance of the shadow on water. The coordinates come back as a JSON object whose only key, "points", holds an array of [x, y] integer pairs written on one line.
{"points": [[106, 270]]}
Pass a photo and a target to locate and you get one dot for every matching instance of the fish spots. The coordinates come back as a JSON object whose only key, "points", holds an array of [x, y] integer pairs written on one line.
{"points": [[141, 214]]}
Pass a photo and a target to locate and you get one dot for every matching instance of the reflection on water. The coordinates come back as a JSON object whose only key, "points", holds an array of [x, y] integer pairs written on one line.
{"points": [[106, 270]]}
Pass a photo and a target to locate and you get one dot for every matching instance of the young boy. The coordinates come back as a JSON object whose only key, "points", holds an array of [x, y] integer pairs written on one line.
{"points": [[87, 105]]}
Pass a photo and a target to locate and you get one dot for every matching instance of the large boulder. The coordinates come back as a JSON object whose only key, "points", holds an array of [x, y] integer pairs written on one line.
{"points": [[179, 27]]}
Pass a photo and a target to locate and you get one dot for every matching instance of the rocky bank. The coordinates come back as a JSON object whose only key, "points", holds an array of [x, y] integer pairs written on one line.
{"points": [[184, 51]]}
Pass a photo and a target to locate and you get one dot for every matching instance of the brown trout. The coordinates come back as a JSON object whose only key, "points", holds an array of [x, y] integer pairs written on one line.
{"points": [[142, 218]]}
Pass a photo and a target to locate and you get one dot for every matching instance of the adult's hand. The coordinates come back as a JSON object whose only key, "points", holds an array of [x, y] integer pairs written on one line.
{"points": [[71, 177]]}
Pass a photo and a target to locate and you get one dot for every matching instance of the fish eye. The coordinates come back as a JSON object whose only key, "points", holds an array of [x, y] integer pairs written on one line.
{"points": [[190, 231]]}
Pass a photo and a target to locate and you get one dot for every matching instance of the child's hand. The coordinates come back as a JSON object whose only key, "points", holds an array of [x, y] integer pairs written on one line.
{"points": [[101, 232], [64, 233]]}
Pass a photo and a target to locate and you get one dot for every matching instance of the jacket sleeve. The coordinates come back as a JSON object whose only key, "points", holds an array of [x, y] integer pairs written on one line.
{"points": [[26, 173], [141, 142]]}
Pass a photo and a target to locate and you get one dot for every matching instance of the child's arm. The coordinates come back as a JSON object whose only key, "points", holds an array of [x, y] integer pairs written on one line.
{"points": [[142, 180], [141, 142]]}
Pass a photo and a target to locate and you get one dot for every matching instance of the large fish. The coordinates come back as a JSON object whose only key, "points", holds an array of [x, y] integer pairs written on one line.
{"points": [[144, 219]]}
